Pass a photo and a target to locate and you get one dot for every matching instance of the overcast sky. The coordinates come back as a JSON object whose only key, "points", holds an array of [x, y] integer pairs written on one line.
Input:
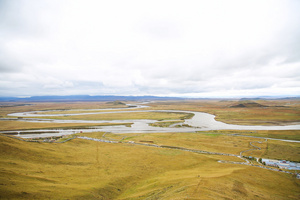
{"points": [[212, 48]]}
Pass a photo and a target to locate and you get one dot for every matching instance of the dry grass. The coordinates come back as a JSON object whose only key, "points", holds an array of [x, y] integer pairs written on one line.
{"points": [[82, 169], [126, 116], [279, 134], [20, 125], [77, 111], [8, 107], [213, 142], [276, 134], [282, 151], [279, 112], [222, 143], [165, 123], [200, 141]]}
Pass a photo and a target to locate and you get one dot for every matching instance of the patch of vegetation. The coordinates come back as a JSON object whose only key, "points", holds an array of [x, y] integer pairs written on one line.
{"points": [[50, 106], [276, 134], [21, 125], [282, 151], [247, 104], [165, 124], [116, 103], [125, 116], [182, 125], [212, 134]]}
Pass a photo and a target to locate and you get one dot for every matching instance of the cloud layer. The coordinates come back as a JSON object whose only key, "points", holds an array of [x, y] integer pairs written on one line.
{"points": [[170, 48]]}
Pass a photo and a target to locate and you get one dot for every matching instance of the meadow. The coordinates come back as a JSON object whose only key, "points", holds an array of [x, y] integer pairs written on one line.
{"points": [[265, 112], [22, 125], [213, 142], [125, 116], [85, 169], [82, 169]]}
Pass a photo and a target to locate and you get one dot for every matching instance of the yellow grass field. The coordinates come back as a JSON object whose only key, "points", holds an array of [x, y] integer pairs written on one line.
{"points": [[277, 112], [21, 125], [213, 142], [126, 115], [85, 169], [81, 169], [10, 107]]}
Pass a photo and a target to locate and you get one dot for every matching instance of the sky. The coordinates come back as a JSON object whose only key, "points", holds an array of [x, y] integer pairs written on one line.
{"points": [[201, 48]]}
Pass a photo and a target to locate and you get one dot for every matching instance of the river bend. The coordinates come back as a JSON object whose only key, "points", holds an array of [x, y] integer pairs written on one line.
{"points": [[199, 122]]}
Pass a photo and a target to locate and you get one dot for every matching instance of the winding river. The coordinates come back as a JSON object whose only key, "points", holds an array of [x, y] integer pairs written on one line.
{"points": [[200, 122]]}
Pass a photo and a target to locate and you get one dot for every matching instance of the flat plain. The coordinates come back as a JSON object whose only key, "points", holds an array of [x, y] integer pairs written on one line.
{"points": [[134, 168]]}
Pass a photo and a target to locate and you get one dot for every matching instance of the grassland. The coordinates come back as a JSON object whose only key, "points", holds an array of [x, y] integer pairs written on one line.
{"points": [[287, 134], [77, 111], [276, 134], [10, 107], [215, 142], [277, 112], [166, 123], [83, 169], [282, 151], [22, 125], [126, 116]]}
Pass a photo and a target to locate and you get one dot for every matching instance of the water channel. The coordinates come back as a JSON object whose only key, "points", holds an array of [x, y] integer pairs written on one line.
{"points": [[199, 122]]}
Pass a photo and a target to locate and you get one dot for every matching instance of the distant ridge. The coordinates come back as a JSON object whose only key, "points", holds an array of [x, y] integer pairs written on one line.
{"points": [[247, 104], [271, 98], [113, 98], [87, 98]]}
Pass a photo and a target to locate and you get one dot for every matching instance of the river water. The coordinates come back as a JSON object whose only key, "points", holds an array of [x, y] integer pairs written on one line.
{"points": [[200, 122]]}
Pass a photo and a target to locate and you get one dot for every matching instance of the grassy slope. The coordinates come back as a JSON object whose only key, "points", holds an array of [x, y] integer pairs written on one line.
{"points": [[82, 169], [282, 151], [279, 112], [222, 143], [206, 142], [285, 134]]}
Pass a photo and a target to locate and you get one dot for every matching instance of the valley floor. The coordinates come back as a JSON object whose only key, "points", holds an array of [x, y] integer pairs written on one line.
{"points": [[214, 164]]}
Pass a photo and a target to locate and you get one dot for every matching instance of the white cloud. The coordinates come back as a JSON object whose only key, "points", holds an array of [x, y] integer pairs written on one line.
{"points": [[192, 48]]}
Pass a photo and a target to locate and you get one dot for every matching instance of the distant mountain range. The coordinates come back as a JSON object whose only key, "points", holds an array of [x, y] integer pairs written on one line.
{"points": [[87, 98], [119, 98]]}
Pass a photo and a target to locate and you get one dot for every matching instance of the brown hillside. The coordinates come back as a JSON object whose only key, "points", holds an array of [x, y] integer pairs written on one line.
{"points": [[247, 104]]}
